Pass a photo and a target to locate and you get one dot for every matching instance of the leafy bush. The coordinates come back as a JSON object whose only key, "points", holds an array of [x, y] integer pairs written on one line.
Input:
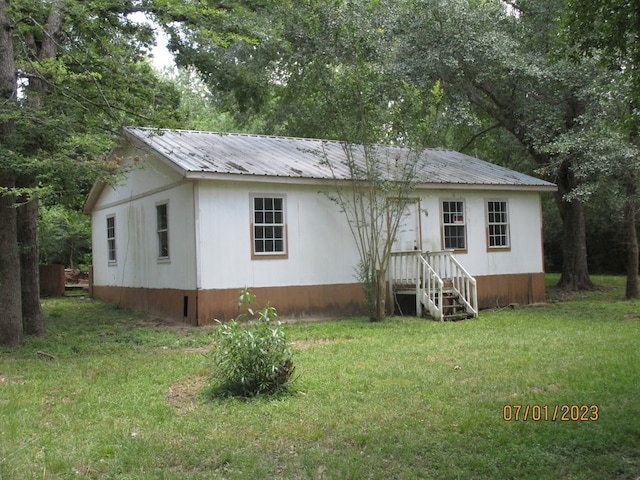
{"points": [[251, 354]]}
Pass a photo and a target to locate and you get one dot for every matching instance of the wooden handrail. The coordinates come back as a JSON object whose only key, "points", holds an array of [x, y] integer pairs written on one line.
{"points": [[432, 273], [431, 290]]}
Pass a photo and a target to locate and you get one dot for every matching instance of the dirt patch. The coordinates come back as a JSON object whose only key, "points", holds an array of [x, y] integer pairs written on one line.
{"points": [[201, 350], [309, 319], [553, 294], [183, 395], [6, 380], [551, 387]]}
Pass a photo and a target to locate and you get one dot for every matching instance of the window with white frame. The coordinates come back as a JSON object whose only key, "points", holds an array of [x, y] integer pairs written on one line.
{"points": [[497, 224], [111, 239], [269, 227], [454, 225], [162, 230]]}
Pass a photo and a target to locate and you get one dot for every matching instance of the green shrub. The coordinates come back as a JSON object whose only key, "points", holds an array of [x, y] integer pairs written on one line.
{"points": [[251, 355]]}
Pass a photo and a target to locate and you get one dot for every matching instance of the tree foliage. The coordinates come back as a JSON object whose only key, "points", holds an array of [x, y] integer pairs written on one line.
{"points": [[607, 28], [71, 73], [229, 44], [608, 31], [65, 236], [500, 57], [201, 109]]}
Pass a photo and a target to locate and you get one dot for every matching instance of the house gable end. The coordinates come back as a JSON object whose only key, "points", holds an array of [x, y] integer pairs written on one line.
{"points": [[144, 172]]}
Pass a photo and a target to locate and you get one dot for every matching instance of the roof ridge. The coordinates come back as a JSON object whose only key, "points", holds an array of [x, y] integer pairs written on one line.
{"points": [[237, 134], [283, 137]]}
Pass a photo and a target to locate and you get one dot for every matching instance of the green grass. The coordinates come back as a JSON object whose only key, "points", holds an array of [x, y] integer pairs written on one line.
{"points": [[404, 399]]}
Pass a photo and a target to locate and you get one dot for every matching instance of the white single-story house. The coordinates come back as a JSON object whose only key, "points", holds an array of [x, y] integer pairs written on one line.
{"points": [[198, 216]]}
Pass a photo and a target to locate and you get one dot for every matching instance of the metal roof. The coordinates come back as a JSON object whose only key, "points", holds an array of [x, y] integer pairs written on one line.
{"points": [[197, 152]]}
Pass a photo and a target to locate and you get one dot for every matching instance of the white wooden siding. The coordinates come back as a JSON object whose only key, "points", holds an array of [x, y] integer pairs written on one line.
{"points": [[134, 206], [321, 250], [525, 224]]}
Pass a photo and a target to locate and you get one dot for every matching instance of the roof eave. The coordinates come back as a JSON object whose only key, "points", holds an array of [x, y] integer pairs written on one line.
{"points": [[94, 194], [550, 187], [252, 178]]}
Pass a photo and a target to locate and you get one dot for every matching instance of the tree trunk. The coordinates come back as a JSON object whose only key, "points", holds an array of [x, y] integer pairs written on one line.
{"points": [[630, 212], [11, 332], [575, 271], [28, 214], [32, 319], [380, 293]]}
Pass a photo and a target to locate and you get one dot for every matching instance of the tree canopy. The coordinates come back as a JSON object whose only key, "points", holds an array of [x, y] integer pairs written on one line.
{"points": [[608, 32], [71, 73]]}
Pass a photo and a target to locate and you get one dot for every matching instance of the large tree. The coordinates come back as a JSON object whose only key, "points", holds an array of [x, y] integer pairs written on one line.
{"points": [[500, 56], [72, 72], [609, 31], [11, 332]]}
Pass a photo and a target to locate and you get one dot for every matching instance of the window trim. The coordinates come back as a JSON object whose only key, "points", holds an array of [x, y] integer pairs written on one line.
{"points": [[160, 258], [500, 248], [111, 261], [443, 225], [285, 237]]}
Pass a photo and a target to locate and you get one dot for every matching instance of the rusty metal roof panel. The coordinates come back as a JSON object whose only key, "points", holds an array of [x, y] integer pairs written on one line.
{"points": [[272, 156]]}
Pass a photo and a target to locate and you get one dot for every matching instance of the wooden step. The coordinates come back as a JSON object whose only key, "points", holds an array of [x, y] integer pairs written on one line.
{"points": [[458, 316], [455, 308]]}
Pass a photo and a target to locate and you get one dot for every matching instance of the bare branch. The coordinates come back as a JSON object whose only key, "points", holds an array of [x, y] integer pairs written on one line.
{"points": [[479, 134]]}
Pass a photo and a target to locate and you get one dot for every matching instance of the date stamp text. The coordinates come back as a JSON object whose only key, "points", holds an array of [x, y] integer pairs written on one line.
{"points": [[550, 413]]}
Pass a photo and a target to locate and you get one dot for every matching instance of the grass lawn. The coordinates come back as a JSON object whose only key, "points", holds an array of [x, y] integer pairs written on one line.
{"points": [[407, 398]]}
